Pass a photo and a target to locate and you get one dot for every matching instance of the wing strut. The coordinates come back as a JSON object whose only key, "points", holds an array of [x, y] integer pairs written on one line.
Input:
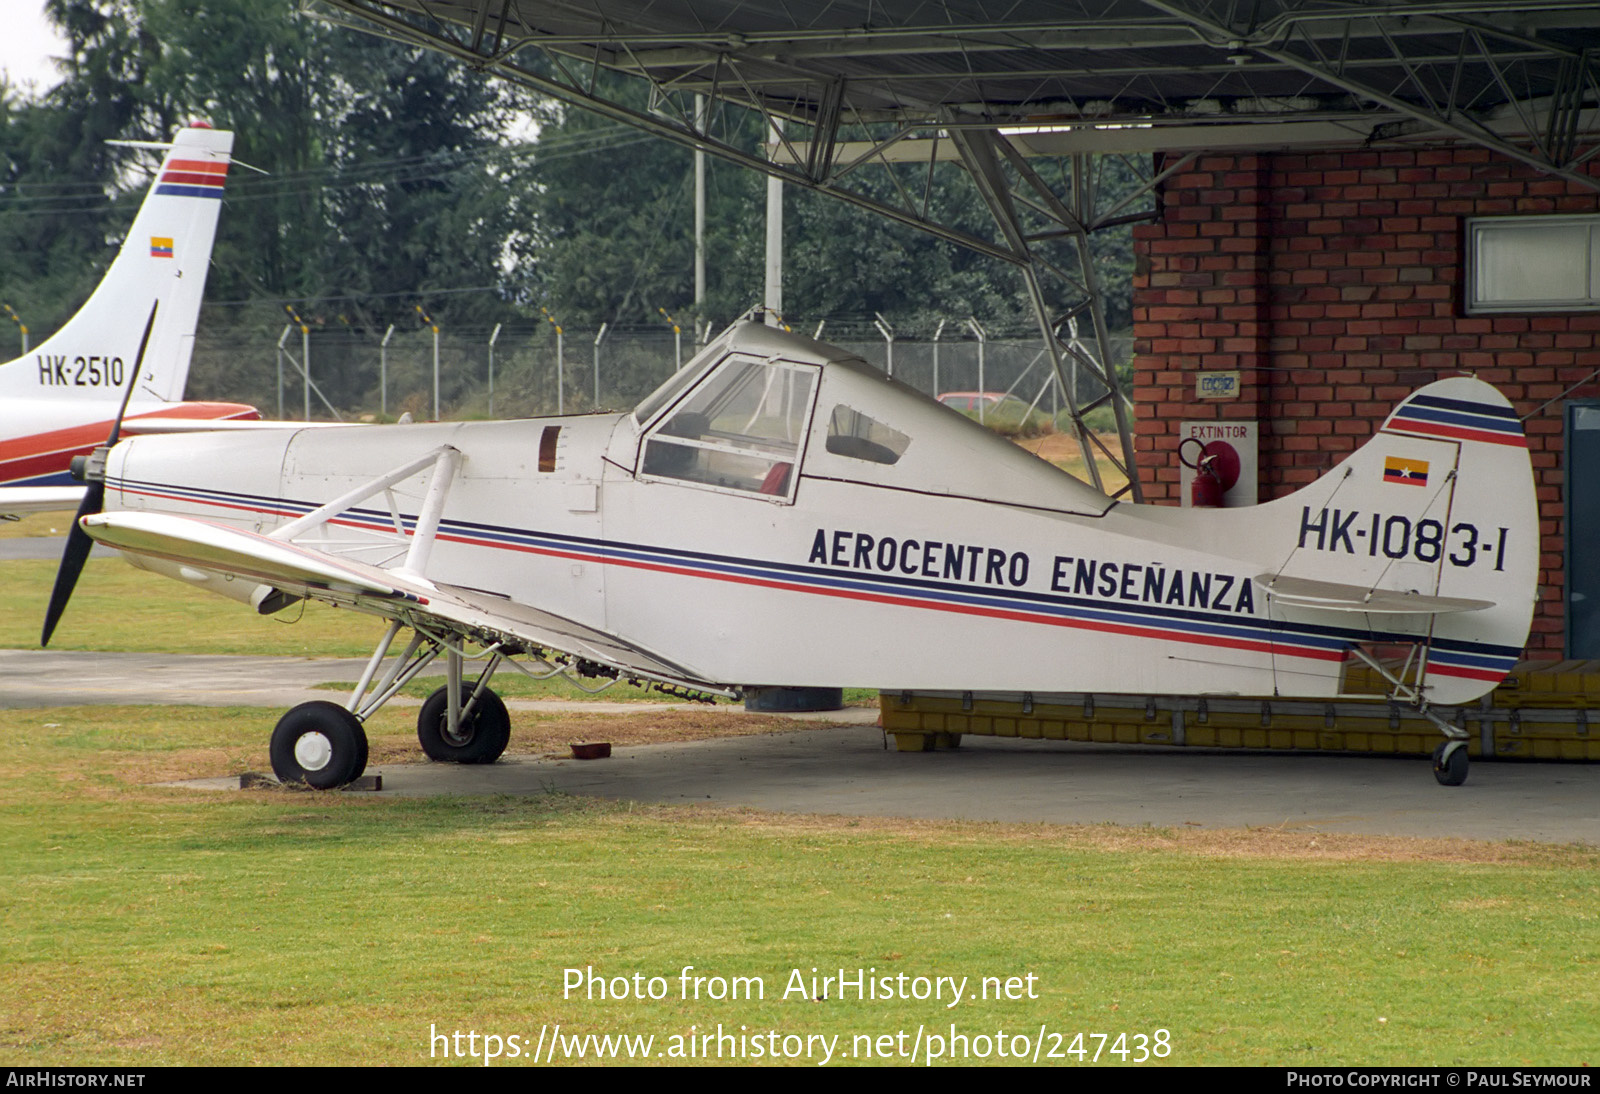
{"points": [[445, 461]]}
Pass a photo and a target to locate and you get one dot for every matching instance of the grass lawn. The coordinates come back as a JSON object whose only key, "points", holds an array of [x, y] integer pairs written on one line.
{"points": [[116, 607], [142, 925], [145, 926]]}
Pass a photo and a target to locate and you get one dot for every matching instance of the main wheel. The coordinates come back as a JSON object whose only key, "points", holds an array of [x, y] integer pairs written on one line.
{"points": [[1450, 763], [481, 738], [320, 744]]}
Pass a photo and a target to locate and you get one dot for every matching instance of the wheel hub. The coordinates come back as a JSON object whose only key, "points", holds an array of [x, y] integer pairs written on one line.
{"points": [[312, 751], [462, 735]]}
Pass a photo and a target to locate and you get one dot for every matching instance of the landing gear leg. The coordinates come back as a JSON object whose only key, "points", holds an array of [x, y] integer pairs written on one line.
{"points": [[1450, 758], [474, 732]]}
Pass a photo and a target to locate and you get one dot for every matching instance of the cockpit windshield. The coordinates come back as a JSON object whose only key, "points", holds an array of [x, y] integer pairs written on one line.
{"points": [[677, 383], [740, 431]]}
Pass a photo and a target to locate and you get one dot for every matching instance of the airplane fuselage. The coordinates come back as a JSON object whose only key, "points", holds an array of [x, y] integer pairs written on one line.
{"points": [[837, 529]]}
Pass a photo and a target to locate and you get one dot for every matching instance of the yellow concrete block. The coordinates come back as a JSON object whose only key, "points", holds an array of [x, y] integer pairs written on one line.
{"points": [[898, 717]]}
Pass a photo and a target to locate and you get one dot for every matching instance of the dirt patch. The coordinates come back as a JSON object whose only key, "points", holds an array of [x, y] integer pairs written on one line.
{"points": [[1217, 842], [1059, 448], [550, 734]]}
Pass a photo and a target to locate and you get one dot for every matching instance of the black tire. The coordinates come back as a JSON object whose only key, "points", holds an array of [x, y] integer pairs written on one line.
{"points": [[1452, 771], [483, 737], [319, 744]]}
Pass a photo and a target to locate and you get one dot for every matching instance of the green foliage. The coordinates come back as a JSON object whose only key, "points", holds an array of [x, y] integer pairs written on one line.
{"points": [[385, 168], [613, 216], [1102, 419], [395, 181]]}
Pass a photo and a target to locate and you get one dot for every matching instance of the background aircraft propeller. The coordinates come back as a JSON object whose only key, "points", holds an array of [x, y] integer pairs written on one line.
{"points": [[78, 542]]}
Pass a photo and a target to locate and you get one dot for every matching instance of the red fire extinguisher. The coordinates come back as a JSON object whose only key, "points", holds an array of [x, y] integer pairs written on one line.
{"points": [[1206, 489]]}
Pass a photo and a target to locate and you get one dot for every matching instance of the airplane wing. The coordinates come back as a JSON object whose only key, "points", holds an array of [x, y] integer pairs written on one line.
{"points": [[17, 500], [1334, 596], [484, 617]]}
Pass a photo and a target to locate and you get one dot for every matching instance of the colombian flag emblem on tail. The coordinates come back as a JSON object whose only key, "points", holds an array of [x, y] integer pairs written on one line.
{"points": [[160, 247], [1409, 472]]}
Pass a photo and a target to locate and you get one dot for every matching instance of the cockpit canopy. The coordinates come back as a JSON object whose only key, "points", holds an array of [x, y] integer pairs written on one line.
{"points": [[759, 403]]}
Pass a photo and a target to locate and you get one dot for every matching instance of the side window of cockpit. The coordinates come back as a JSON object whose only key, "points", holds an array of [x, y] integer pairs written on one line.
{"points": [[853, 434], [740, 431]]}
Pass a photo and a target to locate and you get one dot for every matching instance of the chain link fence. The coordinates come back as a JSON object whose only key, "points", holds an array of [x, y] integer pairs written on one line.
{"points": [[355, 376]]}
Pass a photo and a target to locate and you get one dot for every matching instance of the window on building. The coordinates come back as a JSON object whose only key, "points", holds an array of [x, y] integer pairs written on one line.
{"points": [[1533, 264]]}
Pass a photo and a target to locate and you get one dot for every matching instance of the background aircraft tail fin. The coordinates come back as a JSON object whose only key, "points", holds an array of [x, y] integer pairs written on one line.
{"points": [[165, 255], [1438, 506]]}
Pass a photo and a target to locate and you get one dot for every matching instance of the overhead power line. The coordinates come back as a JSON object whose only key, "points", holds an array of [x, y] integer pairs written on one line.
{"points": [[77, 197]]}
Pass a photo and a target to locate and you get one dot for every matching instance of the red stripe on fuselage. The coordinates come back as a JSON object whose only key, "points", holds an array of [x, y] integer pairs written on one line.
{"points": [[51, 452], [1100, 626], [1467, 671]]}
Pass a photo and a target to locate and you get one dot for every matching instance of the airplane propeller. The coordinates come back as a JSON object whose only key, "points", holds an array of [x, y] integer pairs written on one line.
{"points": [[78, 542]]}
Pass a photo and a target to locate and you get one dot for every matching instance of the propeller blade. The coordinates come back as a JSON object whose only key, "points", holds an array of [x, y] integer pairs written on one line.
{"points": [[94, 499], [72, 559], [138, 367]]}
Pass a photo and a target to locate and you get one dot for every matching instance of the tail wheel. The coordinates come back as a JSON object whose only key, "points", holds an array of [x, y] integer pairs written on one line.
{"points": [[319, 744], [1450, 763], [480, 739]]}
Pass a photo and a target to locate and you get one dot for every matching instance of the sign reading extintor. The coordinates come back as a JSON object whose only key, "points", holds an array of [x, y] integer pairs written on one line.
{"points": [[1218, 463]]}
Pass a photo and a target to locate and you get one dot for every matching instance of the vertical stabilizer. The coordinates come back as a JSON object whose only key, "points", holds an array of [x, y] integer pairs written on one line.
{"points": [[1437, 509], [165, 257]]}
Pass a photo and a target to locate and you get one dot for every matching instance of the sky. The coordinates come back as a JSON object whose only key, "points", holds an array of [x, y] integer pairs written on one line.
{"points": [[28, 44]]}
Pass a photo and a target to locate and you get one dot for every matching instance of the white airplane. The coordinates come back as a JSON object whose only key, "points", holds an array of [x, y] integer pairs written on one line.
{"points": [[59, 401], [779, 513]]}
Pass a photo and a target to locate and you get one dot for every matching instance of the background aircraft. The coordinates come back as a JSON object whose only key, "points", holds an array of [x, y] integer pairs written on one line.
{"points": [[779, 513], [59, 400]]}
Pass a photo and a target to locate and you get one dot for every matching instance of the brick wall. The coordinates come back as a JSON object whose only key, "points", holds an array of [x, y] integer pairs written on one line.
{"points": [[1333, 282]]}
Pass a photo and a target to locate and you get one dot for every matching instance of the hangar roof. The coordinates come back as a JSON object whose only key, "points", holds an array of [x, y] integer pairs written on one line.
{"points": [[1473, 68], [907, 85]]}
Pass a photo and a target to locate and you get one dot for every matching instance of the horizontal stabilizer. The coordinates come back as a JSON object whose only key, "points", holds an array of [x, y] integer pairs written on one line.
{"points": [[1334, 596]]}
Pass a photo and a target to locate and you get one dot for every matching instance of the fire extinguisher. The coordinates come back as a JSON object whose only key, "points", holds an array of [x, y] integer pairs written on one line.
{"points": [[1206, 488]]}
